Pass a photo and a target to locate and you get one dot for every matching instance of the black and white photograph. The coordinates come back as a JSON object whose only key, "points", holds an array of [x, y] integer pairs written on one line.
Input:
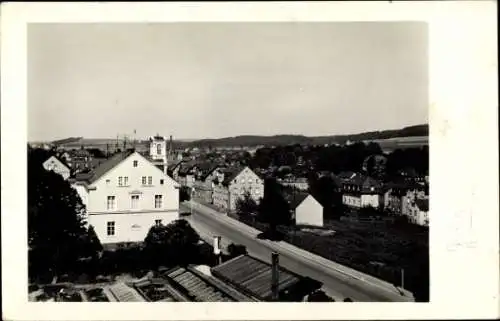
{"points": [[229, 161]]}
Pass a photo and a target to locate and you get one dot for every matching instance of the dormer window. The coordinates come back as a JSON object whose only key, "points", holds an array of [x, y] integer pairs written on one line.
{"points": [[158, 149]]}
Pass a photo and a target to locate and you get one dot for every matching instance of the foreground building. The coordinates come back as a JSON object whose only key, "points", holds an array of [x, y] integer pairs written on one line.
{"points": [[125, 196]]}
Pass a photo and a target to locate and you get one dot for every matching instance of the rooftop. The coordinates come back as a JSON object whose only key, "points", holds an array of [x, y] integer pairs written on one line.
{"points": [[253, 276], [103, 167], [199, 287]]}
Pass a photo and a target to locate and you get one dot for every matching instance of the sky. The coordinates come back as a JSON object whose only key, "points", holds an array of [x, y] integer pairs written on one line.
{"points": [[211, 80]]}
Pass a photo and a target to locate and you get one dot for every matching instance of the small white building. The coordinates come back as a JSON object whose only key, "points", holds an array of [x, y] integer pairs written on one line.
{"points": [[125, 196], [306, 210], [57, 166]]}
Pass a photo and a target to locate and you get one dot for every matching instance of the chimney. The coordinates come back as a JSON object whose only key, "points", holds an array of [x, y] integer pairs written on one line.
{"points": [[275, 276]]}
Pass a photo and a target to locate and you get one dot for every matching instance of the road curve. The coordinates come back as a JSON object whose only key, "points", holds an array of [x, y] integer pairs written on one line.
{"points": [[336, 282]]}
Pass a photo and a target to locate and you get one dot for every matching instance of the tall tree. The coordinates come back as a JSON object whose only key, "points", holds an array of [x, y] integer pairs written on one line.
{"points": [[172, 244], [246, 205], [56, 226], [274, 209]]}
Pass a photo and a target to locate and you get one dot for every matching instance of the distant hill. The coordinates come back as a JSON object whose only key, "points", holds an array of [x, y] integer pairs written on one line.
{"points": [[248, 140]]}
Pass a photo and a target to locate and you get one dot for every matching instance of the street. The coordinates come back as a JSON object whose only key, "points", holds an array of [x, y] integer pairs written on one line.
{"points": [[337, 284]]}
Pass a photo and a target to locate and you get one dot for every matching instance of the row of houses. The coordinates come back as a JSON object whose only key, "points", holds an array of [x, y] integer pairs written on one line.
{"points": [[410, 199], [218, 184]]}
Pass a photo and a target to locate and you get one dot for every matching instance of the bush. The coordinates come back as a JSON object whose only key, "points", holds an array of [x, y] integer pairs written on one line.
{"points": [[319, 296], [236, 250]]}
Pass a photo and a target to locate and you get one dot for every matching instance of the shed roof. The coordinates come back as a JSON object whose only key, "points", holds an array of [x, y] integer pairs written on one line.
{"points": [[253, 276], [202, 288], [124, 293]]}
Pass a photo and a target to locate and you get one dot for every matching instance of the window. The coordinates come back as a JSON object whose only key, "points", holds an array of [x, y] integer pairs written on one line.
{"points": [[158, 149], [150, 180], [161, 182], [120, 181], [157, 222], [111, 228], [111, 203], [144, 180], [125, 181], [107, 182], [158, 201], [135, 163], [134, 201]]}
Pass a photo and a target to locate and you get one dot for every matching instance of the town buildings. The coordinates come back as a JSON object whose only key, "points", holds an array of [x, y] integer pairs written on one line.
{"points": [[361, 191], [233, 183], [56, 165], [299, 183], [125, 196]]}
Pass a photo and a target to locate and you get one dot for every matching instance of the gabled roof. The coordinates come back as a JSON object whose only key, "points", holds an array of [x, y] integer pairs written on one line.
{"points": [[211, 170], [174, 165], [296, 199], [103, 168], [60, 160], [231, 174]]}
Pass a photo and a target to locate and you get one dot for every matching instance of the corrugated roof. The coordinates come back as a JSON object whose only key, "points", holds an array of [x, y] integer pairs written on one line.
{"points": [[253, 276], [202, 288], [124, 293]]}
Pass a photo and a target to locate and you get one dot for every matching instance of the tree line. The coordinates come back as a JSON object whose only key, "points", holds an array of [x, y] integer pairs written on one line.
{"points": [[301, 159]]}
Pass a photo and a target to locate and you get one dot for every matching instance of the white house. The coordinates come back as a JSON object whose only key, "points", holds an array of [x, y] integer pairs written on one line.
{"points": [[125, 196], [307, 210], [54, 164], [362, 191]]}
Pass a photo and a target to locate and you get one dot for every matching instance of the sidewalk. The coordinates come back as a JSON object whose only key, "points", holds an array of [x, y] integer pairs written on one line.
{"points": [[319, 260]]}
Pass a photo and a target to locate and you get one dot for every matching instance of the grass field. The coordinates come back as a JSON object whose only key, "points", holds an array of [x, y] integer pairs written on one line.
{"points": [[381, 250]]}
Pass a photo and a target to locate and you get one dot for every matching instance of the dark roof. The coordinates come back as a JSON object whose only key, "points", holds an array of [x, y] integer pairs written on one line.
{"points": [[203, 288], [211, 170], [230, 174], [174, 165], [60, 159], [346, 175], [103, 168], [422, 204], [186, 167], [296, 198], [253, 276]]}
